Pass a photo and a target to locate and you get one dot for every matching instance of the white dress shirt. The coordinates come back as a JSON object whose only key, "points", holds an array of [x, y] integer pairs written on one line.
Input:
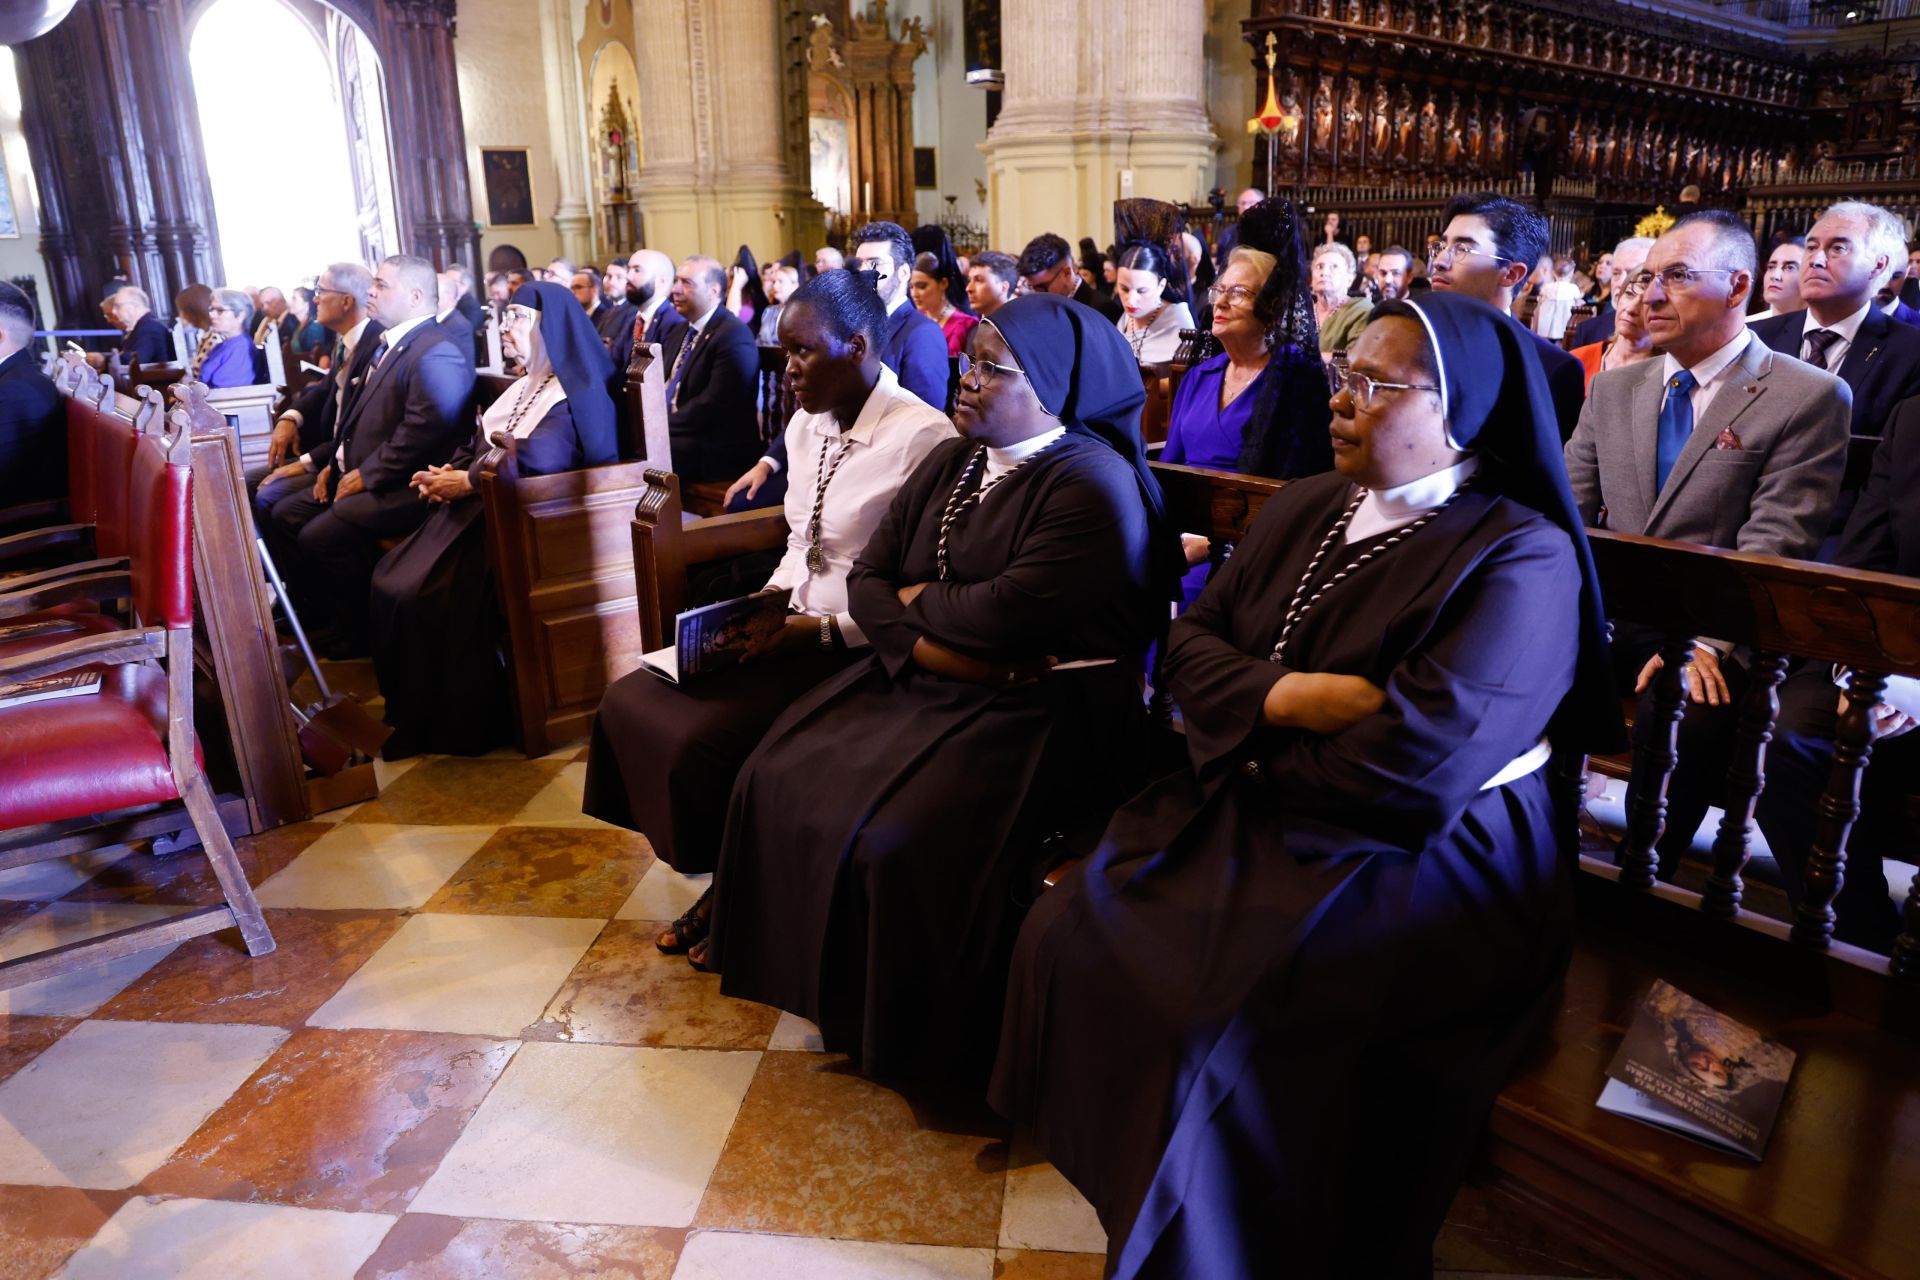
{"points": [[894, 433], [1710, 374], [1837, 353], [350, 339]]}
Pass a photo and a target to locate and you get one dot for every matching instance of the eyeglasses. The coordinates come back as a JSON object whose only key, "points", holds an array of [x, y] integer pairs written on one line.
{"points": [[1239, 294], [1634, 287], [1464, 250], [1680, 279], [321, 288], [1361, 387], [520, 313], [988, 370]]}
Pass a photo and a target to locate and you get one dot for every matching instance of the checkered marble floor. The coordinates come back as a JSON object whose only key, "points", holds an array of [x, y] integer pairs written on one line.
{"points": [[467, 1059]]}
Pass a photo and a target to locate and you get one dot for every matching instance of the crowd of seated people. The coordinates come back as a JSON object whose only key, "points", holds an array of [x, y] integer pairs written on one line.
{"points": [[953, 704]]}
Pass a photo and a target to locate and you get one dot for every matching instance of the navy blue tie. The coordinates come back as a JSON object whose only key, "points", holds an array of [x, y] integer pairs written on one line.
{"points": [[1676, 424]]}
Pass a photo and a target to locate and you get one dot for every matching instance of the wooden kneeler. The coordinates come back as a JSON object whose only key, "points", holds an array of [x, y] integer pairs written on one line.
{"points": [[106, 767]]}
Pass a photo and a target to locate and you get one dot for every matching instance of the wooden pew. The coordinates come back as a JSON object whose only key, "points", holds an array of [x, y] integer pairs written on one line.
{"points": [[666, 547], [563, 568], [1835, 1194]]}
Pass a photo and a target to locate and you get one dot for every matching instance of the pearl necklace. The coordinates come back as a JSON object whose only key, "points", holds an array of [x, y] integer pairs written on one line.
{"points": [[1297, 609], [956, 504]]}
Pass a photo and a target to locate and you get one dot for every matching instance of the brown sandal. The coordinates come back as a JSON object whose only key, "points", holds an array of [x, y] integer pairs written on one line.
{"points": [[689, 930]]}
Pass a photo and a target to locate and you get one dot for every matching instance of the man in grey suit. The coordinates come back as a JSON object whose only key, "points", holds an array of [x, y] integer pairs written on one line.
{"points": [[1721, 442], [409, 412]]}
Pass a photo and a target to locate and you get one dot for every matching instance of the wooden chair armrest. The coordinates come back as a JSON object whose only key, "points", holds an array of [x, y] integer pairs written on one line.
{"points": [[106, 649], [20, 545], [95, 587], [736, 534], [26, 516], [60, 573]]}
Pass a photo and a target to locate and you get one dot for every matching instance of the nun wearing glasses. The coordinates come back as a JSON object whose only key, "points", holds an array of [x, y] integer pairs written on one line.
{"points": [[1318, 949], [884, 839]]}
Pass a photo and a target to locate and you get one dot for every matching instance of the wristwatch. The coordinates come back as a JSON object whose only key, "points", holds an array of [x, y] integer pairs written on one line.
{"points": [[826, 631]]}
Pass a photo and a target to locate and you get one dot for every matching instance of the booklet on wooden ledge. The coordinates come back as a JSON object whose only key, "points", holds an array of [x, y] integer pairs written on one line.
{"points": [[717, 636], [48, 688], [1687, 1068]]}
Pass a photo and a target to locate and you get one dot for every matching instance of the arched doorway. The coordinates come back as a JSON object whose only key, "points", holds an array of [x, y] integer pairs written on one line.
{"points": [[613, 108], [293, 119]]}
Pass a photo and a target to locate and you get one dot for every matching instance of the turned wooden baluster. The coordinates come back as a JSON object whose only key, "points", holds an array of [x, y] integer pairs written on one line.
{"points": [[1654, 759], [1839, 806], [1746, 779], [1906, 950]]}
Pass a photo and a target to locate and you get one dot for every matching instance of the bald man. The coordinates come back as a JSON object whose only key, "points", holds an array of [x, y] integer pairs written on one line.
{"points": [[650, 293]]}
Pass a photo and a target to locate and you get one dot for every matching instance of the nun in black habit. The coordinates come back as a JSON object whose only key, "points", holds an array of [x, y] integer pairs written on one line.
{"points": [[436, 628], [882, 842], [1262, 1027]]}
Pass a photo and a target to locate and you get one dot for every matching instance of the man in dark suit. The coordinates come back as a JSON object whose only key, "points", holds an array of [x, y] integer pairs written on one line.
{"points": [[1487, 250], [1883, 535], [650, 293], [1719, 442], [294, 450], [915, 349], [1626, 259], [410, 411], [713, 373], [144, 338], [1890, 297], [33, 423], [613, 322], [470, 310], [449, 316], [1046, 266], [1851, 252]]}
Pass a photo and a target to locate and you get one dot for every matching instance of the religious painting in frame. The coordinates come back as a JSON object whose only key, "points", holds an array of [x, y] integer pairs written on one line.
{"points": [[925, 170], [509, 186]]}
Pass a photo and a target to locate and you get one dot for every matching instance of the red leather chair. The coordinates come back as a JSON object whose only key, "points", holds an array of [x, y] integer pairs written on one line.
{"points": [[131, 745]]}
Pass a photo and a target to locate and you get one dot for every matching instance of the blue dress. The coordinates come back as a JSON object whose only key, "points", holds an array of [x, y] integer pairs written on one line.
{"points": [[1291, 393], [230, 364]]}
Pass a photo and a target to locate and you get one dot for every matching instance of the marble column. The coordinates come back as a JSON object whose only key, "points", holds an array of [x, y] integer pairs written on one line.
{"points": [[718, 164], [567, 113], [1104, 99]]}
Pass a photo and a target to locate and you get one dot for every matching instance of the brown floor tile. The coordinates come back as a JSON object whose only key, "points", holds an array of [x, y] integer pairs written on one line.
{"points": [[581, 758], [355, 677], [352, 1120], [213, 979], [425, 1246], [1018, 1264], [41, 1227], [23, 1038], [624, 991], [816, 1150], [187, 877], [575, 872], [460, 792]]}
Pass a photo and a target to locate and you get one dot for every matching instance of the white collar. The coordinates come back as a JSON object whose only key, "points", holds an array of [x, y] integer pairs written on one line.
{"points": [[701, 323], [1714, 365], [352, 336], [1384, 510], [1846, 328], [1893, 304], [392, 335], [886, 389], [441, 316], [1001, 460]]}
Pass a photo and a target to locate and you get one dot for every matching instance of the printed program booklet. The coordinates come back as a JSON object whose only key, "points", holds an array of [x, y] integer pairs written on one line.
{"points": [[48, 688], [1687, 1068], [714, 637]]}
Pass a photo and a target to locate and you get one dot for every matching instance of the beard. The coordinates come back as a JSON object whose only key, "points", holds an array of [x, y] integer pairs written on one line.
{"points": [[640, 294]]}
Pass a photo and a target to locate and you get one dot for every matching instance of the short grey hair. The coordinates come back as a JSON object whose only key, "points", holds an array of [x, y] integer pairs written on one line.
{"points": [[139, 295], [1887, 232], [350, 278], [1643, 243], [1258, 259], [461, 276], [236, 301], [1338, 250]]}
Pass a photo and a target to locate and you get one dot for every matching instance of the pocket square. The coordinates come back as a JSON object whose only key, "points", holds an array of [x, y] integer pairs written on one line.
{"points": [[1727, 440]]}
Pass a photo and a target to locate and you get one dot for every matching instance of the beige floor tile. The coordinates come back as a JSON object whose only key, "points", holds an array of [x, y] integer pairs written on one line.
{"points": [[794, 1033], [471, 975], [387, 772], [111, 1100], [727, 1255], [374, 866], [558, 804], [819, 1151], [193, 1238], [425, 1246], [56, 877], [594, 1133], [77, 994], [1041, 1210], [663, 894]]}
